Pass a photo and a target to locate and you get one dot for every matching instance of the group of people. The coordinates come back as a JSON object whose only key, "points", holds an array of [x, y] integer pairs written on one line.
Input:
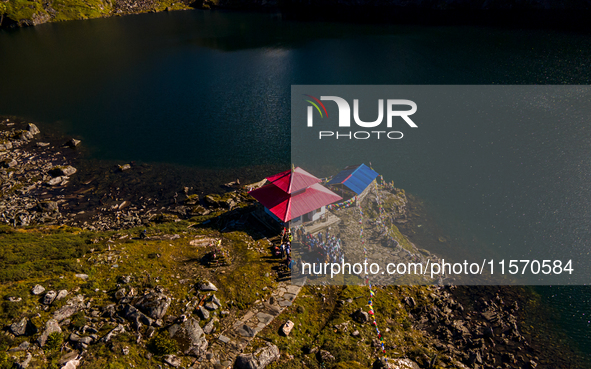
{"points": [[329, 248], [285, 248]]}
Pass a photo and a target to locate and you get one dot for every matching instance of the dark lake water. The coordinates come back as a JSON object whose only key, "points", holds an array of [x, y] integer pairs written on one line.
{"points": [[210, 92]]}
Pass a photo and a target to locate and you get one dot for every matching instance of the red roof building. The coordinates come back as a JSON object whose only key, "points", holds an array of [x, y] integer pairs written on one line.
{"points": [[294, 193]]}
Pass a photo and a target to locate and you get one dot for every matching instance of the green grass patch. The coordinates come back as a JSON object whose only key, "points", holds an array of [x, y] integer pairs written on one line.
{"points": [[23, 9]]}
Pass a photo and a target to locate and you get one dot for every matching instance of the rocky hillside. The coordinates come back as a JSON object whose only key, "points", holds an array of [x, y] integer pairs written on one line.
{"points": [[194, 285], [18, 13]]}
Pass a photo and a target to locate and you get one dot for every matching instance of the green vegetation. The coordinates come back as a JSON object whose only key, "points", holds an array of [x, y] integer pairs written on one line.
{"points": [[23, 9], [162, 344], [54, 342], [32, 253], [323, 322], [30, 12]]}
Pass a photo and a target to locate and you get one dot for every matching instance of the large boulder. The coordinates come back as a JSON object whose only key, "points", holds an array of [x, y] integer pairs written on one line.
{"points": [[19, 328], [154, 304], [51, 326], [190, 337], [259, 359], [72, 306]]}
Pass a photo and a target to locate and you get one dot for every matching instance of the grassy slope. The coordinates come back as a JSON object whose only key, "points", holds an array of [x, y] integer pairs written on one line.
{"points": [[62, 10], [52, 256]]}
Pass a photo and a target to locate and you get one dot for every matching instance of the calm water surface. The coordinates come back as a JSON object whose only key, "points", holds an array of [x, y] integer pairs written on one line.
{"points": [[210, 90]]}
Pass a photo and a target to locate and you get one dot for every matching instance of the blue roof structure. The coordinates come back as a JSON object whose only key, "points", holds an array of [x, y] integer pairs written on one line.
{"points": [[355, 177]]}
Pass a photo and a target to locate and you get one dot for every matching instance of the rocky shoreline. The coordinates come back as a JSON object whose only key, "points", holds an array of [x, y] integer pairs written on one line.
{"points": [[534, 13], [39, 184], [119, 299]]}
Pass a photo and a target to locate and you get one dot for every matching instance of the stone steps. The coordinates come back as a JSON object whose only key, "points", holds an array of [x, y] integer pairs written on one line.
{"points": [[236, 336]]}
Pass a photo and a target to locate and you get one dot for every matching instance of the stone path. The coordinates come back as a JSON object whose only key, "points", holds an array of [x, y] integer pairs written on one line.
{"points": [[235, 338]]}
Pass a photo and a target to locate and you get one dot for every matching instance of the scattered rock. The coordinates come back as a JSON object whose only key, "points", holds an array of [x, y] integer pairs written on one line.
{"points": [[410, 301], [216, 301], [48, 207], [63, 171], [19, 328], [65, 312], [287, 327], [51, 326], [124, 167], [115, 331], [210, 306], [210, 327], [55, 181], [207, 286], [325, 356], [125, 279], [6, 145], [223, 338], [49, 298], [154, 304], [190, 337], [82, 276], [403, 364], [26, 136], [32, 128], [133, 314], [120, 293], [61, 294], [25, 363], [245, 331], [259, 359], [310, 350], [172, 360], [9, 163], [73, 143], [37, 290], [380, 363], [360, 316], [203, 312], [24, 346], [71, 364]]}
